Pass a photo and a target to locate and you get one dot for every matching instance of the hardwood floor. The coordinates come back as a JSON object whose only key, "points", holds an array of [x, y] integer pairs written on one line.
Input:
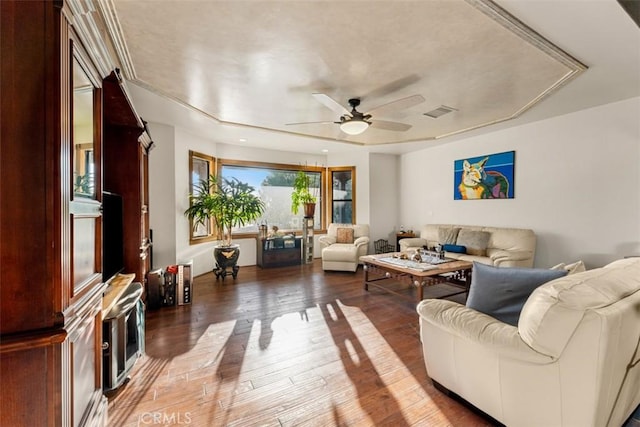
{"points": [[283, 347]]}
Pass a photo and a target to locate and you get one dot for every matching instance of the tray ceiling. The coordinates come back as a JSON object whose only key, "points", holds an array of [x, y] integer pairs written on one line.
{"points": [[257, 64]]}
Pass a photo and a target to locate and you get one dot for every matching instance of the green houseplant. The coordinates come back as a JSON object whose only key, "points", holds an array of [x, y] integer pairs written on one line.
{"points": [[230, 203], [302, 194]]}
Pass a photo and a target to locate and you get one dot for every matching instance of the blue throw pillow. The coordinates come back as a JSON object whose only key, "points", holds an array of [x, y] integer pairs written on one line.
{"points": [[459, 249], [501, 292]]}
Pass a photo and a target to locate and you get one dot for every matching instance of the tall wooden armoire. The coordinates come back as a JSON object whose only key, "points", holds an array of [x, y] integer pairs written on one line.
{"points": [[54, 127]]}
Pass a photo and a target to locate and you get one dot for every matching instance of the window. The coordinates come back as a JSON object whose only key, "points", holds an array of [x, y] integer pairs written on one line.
{"points": [[273, 184], [200, 167], [342, 195]]}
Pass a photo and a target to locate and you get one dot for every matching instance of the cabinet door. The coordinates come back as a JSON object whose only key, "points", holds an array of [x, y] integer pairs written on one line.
{"points": [[82, 400], [85, 155]]}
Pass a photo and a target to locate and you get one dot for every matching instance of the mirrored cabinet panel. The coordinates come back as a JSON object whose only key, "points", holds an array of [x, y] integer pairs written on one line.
{"points": [[84, 204], [84, 175]]}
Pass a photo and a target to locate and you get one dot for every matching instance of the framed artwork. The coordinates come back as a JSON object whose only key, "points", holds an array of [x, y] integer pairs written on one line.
{"points": [[484, 177]]}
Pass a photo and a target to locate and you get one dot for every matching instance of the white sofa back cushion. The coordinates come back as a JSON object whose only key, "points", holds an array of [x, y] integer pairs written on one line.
{"points": [[554, 310], [359, 230], [515, 244], [502, 239]]}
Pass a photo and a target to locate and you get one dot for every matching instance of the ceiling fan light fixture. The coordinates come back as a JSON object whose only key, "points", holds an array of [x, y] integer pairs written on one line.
{"points": [[354, 127]]}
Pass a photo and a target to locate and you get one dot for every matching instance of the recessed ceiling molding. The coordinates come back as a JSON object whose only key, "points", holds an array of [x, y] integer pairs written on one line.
{"points": [[235, 125], [521, 29]]}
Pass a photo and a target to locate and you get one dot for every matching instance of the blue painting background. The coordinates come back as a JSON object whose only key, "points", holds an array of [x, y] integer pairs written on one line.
{"points": [[499, 162]]}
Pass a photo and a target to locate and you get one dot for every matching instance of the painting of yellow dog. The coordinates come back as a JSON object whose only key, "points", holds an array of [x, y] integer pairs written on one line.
{"points": [[484, 177]]}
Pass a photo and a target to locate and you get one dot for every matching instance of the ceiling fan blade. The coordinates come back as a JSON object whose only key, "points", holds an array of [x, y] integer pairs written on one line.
{"points": [[398, 104], [310, 123], [383, 124], [391, 87], [330, 103]]}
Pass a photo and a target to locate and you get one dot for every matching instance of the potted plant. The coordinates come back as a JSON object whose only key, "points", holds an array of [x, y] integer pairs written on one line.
{"points": [[303, 195], [230, 203]]}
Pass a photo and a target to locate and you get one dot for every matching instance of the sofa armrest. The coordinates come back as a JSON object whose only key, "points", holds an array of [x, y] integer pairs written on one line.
{"points": [[505, 257], [483, 330], [412, 242], [362, 240], [326, 240]]}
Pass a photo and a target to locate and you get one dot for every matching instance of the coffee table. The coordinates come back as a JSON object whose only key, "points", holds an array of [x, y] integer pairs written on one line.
{"points": [[386, 268]]}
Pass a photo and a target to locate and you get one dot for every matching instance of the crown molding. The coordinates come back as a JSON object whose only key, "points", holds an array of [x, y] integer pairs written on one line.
{"points": [[112, 23], [83, 18]]}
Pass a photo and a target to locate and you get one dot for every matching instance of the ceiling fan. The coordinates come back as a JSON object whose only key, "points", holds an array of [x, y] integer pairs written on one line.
{"points": [[354, 122]]}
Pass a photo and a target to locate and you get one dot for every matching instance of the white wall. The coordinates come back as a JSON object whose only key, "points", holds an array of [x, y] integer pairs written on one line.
{"points": [[384, 196], [577, 184], [162, 191], [168, 196], [251, 154]]}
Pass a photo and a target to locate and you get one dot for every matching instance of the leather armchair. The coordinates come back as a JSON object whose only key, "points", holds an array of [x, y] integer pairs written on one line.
{"points": [[573, 359], [344, 256]]}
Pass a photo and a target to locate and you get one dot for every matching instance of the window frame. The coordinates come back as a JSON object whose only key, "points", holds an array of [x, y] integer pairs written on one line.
{"points": [[211, 164], [329, 191], [288, 167]]}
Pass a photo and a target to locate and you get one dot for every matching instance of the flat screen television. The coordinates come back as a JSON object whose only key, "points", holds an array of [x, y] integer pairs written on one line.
{"points": [[112, 235]]}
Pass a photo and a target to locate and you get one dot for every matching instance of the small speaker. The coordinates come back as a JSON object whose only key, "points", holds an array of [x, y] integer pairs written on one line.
{"points": [[155, 286]]}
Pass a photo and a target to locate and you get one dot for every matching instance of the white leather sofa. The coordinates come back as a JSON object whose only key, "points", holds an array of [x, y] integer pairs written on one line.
{"points": [[344, 256], [573, 360], [507, 247]]}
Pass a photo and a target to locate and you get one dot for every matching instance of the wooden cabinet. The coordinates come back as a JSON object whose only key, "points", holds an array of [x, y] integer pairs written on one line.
{"points": [[51, 181], [279, 252], [126, 168]]}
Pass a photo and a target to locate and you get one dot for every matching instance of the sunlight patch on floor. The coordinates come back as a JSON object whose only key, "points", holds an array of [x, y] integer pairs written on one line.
{"points": [[352, 352], [384, 359]]}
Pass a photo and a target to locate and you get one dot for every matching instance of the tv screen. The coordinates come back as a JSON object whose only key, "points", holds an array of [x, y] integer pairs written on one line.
{"points": [[112, 238]]}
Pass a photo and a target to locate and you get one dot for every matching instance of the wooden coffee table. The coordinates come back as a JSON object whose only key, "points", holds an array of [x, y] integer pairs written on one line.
{"points": [[383, 271]]}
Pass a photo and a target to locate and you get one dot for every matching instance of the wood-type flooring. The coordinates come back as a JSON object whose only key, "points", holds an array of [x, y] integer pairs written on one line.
{"points": [[289, 346]]}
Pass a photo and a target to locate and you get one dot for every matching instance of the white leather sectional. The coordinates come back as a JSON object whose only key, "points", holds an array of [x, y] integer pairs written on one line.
{"points": [[507, 247]]}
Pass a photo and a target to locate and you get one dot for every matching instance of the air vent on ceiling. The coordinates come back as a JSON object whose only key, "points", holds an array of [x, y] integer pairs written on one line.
{"points": [[440, 111]]}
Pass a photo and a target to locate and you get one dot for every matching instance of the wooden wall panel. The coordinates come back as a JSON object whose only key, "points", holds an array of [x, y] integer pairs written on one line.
{"points": [[29, 100], [39, 315], [30, 375]]}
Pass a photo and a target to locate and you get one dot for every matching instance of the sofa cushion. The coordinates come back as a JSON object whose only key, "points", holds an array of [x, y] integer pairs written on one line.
{"points": [[501, 292], [454, 248], [344, 235], [448, 236], [475, 241], [340, 252]]}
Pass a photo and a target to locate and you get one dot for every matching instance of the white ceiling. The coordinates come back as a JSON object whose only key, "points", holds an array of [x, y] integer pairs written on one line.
{"points": [[245, 69]]}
